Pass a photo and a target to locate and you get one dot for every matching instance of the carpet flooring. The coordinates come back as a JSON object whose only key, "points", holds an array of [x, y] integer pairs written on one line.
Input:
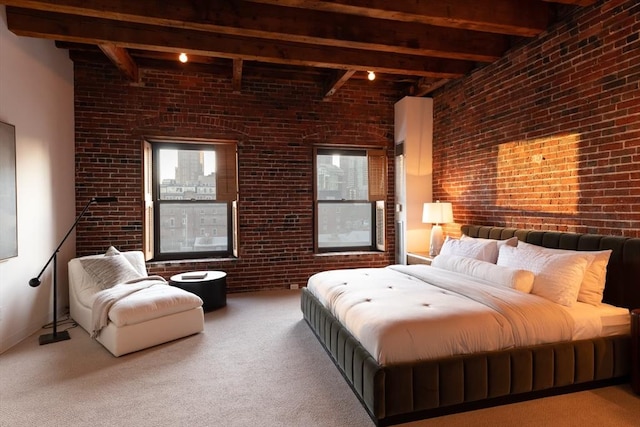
{"points": [[256, 364]]}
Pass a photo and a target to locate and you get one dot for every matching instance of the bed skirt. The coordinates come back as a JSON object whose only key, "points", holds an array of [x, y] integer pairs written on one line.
{"points": [[399, 393]]}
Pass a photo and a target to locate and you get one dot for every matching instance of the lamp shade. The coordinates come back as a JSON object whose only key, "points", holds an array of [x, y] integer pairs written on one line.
{"points": [[437, 213]]}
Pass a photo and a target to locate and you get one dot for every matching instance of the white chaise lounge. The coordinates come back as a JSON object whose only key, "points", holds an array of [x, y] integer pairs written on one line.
{"points": [[155, 314]]}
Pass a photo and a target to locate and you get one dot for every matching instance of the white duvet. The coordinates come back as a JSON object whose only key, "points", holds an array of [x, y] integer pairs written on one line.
{"points": [[408, 313]]}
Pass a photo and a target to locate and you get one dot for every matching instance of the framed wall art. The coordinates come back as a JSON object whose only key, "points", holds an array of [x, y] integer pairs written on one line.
{"points": [[8, 201]]}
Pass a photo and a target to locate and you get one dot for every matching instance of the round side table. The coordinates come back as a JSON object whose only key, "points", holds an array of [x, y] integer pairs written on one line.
{"points": [[211, 286]]}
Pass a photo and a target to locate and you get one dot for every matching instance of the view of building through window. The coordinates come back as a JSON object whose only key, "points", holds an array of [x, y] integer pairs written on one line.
{"points": [[190, 218], [344, 212]]}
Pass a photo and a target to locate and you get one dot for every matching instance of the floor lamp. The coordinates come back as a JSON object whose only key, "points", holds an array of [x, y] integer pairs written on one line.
{"points": [[56, 336]]}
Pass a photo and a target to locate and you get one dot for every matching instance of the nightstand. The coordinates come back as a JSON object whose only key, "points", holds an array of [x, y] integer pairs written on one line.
{"points": [[419, 258]]}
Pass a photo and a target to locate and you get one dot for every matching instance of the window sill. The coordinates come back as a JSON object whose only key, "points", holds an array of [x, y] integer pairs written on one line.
{"points": [[329, 254], [170, 262]]}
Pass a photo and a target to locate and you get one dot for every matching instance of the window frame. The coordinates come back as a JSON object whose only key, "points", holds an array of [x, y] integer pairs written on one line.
{"points": [[377, 183], [226, 193]]}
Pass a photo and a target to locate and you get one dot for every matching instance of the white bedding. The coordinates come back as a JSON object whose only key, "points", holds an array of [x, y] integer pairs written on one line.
{"points": [[601, 320], [387, 310]]}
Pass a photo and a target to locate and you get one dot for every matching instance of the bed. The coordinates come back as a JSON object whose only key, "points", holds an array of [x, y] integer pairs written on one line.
{"points": [[394, 387]]}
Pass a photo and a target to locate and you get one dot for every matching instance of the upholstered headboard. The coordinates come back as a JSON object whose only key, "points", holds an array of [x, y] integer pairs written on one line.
{"points": [[623, 272]]}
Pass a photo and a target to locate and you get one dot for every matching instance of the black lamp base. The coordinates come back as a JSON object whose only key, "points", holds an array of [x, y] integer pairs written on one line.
{"points": [[51, 338]]}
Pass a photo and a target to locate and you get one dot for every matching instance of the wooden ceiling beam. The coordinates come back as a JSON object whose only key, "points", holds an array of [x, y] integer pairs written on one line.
{"points": [[340, 78], [121, 59], [515, 17], [237, 75], [32, 23], [433, 41], [573, 2], [422, 88], [291, 24]]}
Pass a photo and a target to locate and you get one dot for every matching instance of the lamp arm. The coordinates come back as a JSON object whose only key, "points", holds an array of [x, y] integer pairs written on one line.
{"points": [[36, 280]]}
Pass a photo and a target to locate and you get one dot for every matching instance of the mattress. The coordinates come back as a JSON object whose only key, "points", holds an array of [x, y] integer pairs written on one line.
{"points": [[408, 313], [603, 320]]}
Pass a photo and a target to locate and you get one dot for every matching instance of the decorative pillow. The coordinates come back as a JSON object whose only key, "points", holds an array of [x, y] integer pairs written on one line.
{"points": [[511, 241], [521, 280], [595, 277], [557, 276], [110, 270], [484, 250], [112, 251]]}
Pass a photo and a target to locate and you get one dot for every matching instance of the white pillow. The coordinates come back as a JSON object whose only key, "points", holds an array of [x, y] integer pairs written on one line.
{"points": [[484, 250], [521, 280], [110, 269], [112, 251], [595, 277], [557, 276], [511, 241]]}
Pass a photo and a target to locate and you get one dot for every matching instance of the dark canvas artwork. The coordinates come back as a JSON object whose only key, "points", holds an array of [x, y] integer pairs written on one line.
{"points": [[8, 203]]}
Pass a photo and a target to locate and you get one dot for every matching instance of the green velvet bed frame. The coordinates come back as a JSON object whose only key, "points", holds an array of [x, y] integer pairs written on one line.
{"points": [[399, 393]]}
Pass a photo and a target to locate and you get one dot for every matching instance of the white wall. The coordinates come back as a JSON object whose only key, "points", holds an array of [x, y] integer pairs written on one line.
{"points": [[36, 96], [414, 127]]}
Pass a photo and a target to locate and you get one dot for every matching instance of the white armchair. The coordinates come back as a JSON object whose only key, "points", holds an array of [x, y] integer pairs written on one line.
{"points": [[150, 316]]}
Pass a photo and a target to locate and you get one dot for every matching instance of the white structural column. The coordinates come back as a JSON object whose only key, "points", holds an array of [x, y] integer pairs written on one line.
{"points": [[414, 172]]}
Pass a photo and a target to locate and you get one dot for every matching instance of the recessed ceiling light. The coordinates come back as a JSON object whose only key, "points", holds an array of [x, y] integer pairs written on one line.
{"points": [[183, 57]]}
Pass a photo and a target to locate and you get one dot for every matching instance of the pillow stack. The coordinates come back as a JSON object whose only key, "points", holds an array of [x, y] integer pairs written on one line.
{"points": [[562, 275], [559, 275], [477, 257]]}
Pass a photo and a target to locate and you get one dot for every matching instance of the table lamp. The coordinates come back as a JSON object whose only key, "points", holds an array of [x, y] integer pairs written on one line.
{"points": [[436, 213]]}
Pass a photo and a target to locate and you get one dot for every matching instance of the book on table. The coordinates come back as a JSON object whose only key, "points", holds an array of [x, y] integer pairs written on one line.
{"points": [[193, 276]]}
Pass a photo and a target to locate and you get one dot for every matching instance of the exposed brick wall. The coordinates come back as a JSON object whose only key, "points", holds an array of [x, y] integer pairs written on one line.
{"points": [[548, 137], [275, 123]]}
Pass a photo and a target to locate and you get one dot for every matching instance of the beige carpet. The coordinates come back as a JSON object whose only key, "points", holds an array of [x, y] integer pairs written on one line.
{"points": [[256, 364]]}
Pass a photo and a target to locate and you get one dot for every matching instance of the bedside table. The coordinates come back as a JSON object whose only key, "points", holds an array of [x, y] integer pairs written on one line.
{"points": [[419, 258]]}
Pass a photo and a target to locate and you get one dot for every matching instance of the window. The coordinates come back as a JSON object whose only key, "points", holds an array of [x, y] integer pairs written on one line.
{"points": [[189, 187], [350, 193]]}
